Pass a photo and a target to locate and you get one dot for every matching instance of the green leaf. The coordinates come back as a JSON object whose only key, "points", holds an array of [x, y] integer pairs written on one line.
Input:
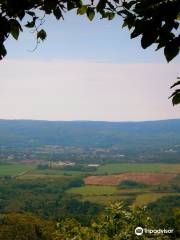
{"points": [[172, 49], [176, 99], [57, 13], [148, 39], [124, 24], [70, 5], [178, 17], [3, 51], [32, 14], [31, 24], [21, 15], [111, 15], [101, 5], [90, 13], [41, 34], [15, 28], [175, 84], [82, 10]]}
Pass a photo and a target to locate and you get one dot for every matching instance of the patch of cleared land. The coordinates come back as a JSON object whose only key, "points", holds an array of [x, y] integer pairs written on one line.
{"points": [[147, 178], [93, 190]]}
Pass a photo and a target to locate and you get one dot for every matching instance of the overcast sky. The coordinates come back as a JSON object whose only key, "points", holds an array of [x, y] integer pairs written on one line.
{"points": [[86, 71]]}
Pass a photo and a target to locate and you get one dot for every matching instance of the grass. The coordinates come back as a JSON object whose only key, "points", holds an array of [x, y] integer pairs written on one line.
{"points": [[56, 172], [170, 168], [138, 167], [104, 200], [93, 190], [128, 167], [14, 169], [32, 176], [114, 169], [146, 198]]}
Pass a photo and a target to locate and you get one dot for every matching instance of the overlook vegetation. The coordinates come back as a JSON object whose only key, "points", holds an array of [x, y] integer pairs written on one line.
{"points": [[45, 200]]}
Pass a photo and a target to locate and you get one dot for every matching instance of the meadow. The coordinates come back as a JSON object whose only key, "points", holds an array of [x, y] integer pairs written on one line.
{"points": [[93, 190], [138, 167], [14, 170]]}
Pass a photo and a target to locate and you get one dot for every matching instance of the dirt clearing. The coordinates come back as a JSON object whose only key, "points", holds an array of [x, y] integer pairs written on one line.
{"points": [[147, 178]]}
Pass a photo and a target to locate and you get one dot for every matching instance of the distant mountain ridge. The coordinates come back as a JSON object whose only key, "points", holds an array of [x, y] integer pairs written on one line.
{"points": [[27, 133]]}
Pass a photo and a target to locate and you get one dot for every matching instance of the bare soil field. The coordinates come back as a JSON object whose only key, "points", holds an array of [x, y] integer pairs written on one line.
{"points": [[147, 178]]}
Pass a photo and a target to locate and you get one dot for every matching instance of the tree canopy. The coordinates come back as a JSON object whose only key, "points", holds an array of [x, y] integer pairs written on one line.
{"points": [[117, 223], [156, 21]]}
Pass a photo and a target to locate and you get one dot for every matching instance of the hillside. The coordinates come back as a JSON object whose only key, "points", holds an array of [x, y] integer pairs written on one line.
{"points": [[150, 134]]}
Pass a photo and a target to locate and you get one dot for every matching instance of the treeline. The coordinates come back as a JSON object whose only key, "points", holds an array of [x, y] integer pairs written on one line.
{"points": [[163, 209], [115, 224], [46, 199]]}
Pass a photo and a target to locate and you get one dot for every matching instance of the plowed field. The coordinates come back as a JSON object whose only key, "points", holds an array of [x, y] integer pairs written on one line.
{"points": [[147, 178]]}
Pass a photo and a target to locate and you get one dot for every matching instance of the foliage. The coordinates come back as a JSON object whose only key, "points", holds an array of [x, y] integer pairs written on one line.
{"points": [[131, 184], [46, 199], [25, 227], [176, 94], [163, 209], [116, 224], [156, 21]]}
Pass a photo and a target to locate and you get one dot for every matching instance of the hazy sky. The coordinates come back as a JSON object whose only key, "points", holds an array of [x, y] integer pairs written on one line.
{"points": [[86, 71]]}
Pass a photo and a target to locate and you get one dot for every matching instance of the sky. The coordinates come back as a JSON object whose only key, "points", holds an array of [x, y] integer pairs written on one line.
{"points": [[85, 71]]}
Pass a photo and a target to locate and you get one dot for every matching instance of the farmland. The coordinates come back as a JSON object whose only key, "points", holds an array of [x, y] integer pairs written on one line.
{"points": [[93, 190], [138, 167], [98, 188], [15, 169], [147, 178], [146, 198], [103, 185]]}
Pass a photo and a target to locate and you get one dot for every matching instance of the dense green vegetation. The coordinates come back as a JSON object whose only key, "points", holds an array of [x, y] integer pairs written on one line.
{"points": [[46, 193], [79, 209], [38, 133], [131, 184], [116, 223], [46, 199], [159, 17], [163, 209], [104, 142]]}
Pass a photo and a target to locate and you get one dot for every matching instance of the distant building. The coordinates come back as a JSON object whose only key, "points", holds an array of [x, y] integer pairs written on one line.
{"points": [[93, 165], [63, 163]]}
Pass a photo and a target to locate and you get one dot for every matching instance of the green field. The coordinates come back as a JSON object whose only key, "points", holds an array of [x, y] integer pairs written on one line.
{"points": [[146, 198], [136, 167], [125, 167], [114, 169], [100, 194], [55, 172], [15, 169], [104, 200], [93, 190]]}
